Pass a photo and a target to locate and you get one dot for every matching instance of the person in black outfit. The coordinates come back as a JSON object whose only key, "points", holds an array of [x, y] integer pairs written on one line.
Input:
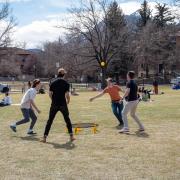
{"points": [[59, 94]]}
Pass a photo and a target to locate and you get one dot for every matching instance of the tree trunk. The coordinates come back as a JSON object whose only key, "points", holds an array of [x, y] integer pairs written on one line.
{"points": [[103, 80], [117, 78], [147, 71]]}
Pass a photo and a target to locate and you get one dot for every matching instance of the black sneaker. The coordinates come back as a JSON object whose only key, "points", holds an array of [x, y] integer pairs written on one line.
{"points": [[13, 128], [121, 125], [31, 133]]}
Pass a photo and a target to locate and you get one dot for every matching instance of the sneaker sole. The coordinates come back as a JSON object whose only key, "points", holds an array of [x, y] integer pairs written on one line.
{"points": [[141, 130], [12, 128], [124, 132], [43, 141], [32, 133]]}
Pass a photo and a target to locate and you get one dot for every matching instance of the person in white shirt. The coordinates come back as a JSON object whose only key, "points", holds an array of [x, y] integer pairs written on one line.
{"points": [[27, 105], [7, 101]]}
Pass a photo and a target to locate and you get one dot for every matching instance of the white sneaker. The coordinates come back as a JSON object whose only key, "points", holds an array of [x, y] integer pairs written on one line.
{"points": [[124, 131]]}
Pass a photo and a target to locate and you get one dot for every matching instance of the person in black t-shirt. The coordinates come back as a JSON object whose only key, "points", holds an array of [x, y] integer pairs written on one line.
{"points": [[131, 96], [59, 94]]}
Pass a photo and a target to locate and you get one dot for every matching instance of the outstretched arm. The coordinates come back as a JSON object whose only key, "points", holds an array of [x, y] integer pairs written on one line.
{"points": [[95, 97]]}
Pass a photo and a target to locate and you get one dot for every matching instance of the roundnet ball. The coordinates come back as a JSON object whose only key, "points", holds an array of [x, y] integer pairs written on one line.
{"points": [[102, 64]]}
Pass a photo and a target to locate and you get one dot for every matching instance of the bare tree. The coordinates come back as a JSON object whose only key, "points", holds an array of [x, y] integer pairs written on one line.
{"points": [[91, 24], [7, 23], [155, 47]]}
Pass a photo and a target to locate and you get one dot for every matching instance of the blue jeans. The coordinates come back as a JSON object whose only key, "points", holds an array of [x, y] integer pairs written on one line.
{"points": [[28, 113], [117, 110]]}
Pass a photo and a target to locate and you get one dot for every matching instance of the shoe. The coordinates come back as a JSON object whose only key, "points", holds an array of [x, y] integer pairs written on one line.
{"points": [[125, 131], [13, 128], [141, 130], [121, 125], [43, 140], [72, 138], [31, 133]]}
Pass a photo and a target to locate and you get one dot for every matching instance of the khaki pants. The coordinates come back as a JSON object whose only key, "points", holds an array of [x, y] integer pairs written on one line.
{"points": [[131, 107]]}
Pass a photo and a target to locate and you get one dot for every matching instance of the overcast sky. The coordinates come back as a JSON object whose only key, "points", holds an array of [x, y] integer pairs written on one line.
{"points": [[37, 18]]}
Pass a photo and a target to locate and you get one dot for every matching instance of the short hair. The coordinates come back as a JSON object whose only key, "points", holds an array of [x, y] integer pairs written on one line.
{"points": [[131, 74], [35, 83], [61, 72]]}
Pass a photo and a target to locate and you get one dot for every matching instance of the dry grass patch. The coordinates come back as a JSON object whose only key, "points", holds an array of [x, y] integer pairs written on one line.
{"points": [[106, 155]]}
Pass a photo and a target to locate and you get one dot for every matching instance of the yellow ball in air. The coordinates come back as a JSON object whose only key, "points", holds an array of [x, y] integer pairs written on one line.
{"points": [[102, 63]]}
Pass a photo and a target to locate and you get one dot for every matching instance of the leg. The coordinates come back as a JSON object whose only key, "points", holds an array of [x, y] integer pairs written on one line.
{"points": [[120, 108], [114, 107], [52, 114], [64, 110], [134, 116], [26, 115], [33, 118], [125, 112]]}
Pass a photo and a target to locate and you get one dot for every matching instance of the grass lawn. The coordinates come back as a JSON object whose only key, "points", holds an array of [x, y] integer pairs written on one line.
{"points": [[106, 155]]}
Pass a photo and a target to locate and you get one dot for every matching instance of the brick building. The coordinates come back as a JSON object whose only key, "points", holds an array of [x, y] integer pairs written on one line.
{"points": [[16, 62]]}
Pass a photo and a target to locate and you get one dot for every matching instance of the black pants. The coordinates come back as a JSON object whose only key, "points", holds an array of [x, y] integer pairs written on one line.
{"points": [[3, 105], [52, 114]]}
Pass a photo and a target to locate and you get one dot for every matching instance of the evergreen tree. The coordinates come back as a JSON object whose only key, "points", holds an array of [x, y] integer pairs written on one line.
{"points": [[117, 27], [163, 16], [145, 14], [115, 19]]}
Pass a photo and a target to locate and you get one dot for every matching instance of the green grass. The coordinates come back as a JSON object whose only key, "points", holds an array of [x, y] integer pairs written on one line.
{"points": [[106, 155]]}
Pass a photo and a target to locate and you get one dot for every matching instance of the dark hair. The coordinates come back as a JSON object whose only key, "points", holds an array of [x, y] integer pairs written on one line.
{"points": [[131, 74], [29, 83], [35, 83], [7, 94], [60, 75]]}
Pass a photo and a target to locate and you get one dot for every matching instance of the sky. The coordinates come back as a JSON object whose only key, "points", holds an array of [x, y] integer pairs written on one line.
{"points": [[37, 19]]}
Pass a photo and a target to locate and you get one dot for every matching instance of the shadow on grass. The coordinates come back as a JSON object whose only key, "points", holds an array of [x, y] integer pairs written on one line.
{"points": [[68, 145], [28, 138], [139, 134], [142, 134]]}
